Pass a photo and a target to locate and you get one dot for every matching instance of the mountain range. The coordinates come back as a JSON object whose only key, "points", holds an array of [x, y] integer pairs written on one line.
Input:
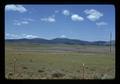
{"points": [[61, 41]]}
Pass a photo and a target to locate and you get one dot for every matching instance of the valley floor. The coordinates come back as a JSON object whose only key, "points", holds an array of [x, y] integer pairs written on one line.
{"points": [[58, 61]]}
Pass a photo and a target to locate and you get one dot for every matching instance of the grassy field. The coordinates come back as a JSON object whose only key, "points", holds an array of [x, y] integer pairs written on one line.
{"points": [[58, 61]]}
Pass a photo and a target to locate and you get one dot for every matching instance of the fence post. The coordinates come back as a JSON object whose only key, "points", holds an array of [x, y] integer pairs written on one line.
{"points": [[14, 66], [83, 71], [110, 41]]}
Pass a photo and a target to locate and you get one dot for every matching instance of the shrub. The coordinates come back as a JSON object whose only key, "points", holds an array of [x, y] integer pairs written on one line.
{"points": [[25, 67], [105, 76], [58, 74], [40, 71]]}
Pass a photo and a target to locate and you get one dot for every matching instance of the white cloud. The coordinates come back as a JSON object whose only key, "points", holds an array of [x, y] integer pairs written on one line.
{"points": [[18, 8], [19, 23], [28, 19], [29, 36], [24, 22], [76, 17], [14, 36], [101, 23], [66, 12], [63, 36], [49, 19], [93, 14], [11, 36], [56, 11], [7, 34]]}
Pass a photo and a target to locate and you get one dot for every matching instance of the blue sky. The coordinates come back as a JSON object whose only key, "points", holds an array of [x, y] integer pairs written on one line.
{"points": [[83, 22]]}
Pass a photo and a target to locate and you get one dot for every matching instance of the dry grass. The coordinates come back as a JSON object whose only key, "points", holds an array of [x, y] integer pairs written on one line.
{"points": [[46, 62]]}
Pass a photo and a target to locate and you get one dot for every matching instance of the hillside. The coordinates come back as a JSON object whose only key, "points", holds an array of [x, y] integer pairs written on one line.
{"points": [[60, 41]]}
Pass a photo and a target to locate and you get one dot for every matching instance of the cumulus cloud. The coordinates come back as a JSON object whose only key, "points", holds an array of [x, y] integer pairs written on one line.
{"points": [[63, 36], [19, 23], [56, 11], [18, 8], [29, 36], [76, 17], [28, 19], [66, 12], [93, 14], [101, 23], [49, 19], [14, 36], [24, 21]]}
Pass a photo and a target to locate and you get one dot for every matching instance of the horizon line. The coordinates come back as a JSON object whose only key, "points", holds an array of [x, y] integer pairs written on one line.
{"points": [[56, 38]]}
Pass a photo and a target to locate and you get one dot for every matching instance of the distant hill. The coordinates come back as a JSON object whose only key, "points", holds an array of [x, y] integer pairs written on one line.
{"points": [[60, 41]]}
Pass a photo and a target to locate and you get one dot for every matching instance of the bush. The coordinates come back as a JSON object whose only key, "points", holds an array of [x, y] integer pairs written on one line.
{"points": [[105, 76], [40, 71], [25, 67], [96, 76], [58, 74]]}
